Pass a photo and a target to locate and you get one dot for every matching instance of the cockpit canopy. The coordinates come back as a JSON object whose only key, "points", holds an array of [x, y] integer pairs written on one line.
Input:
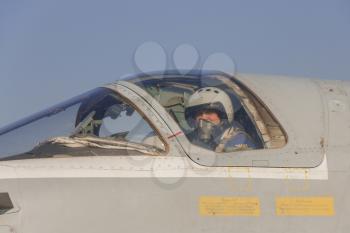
{"points": [[173, 90], [105, 120]]}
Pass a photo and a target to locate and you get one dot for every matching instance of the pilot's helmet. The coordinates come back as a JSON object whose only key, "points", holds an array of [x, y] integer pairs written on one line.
{"points": [[209, 98]]}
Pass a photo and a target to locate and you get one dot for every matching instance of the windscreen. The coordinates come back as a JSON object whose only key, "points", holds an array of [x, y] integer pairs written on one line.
{"points": [[59, 120], [100, 119]]}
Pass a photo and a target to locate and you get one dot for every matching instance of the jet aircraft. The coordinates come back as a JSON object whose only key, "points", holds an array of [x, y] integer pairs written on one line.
{"points": [[118, 159]]}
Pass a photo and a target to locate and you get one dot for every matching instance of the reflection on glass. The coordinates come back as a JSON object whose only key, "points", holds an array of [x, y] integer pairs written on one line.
{"points": [[99, 118]]}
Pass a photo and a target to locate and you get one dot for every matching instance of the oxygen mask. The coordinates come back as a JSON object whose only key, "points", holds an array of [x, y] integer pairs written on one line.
{"points": [[205, 130]]}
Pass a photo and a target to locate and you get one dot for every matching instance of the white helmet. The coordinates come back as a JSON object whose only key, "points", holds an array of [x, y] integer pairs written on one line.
{"points": [[209, 98]]}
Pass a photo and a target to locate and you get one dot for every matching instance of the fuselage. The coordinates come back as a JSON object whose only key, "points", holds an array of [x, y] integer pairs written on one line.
{"points": [[298, 182]]}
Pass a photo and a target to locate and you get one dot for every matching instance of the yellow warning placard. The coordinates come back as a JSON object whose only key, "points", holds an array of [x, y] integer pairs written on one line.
{"points": [[305, 206], [229, 206]]}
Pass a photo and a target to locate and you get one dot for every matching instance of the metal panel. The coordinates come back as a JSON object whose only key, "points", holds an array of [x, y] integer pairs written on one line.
{"points": [[6, 229], [295, 102]]}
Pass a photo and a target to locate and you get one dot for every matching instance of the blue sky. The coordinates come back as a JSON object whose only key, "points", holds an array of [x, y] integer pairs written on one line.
{"points": [[52, 50]]}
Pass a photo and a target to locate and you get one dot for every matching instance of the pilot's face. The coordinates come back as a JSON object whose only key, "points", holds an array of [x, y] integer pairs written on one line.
{"points": [[211, 116]]}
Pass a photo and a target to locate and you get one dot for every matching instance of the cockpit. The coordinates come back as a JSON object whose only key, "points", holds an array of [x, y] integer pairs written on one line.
{"points": [[106, 121]]}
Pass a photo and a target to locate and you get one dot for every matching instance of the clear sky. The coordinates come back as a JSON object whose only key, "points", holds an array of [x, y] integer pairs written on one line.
{"points": [[51, 50]]}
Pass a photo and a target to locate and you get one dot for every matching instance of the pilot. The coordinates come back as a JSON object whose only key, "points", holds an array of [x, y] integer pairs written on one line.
{"points": [[210, 112]]}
